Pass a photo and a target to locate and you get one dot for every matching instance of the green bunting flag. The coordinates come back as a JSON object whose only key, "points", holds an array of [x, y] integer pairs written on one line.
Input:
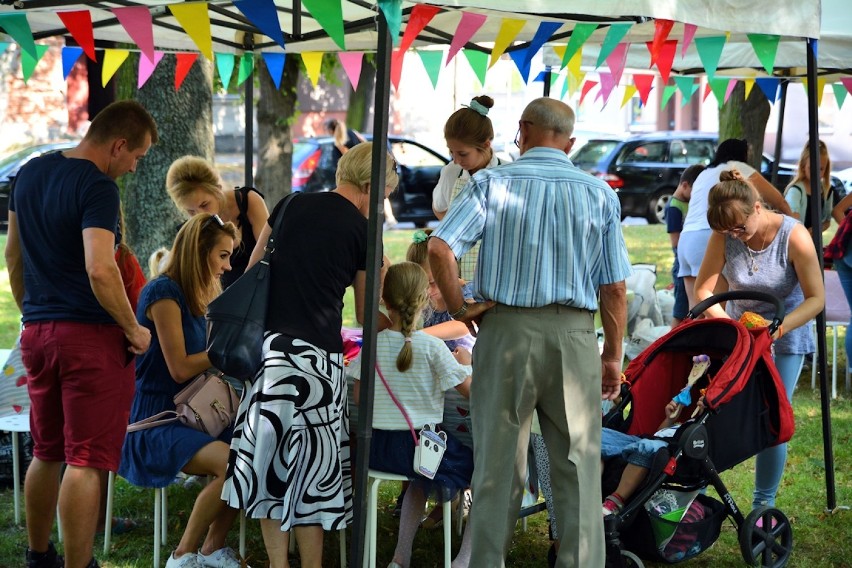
{"points": [[432, 60], [766, 48], [329, 14], [225, 67], [839, 93], [246, 67], [28, 63], [478, 62], [613, 37], [579, 35], [668, 91], [710, 51]]}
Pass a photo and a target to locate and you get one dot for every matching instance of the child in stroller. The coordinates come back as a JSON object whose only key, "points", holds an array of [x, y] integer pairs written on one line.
{"points": [[745, 410]]}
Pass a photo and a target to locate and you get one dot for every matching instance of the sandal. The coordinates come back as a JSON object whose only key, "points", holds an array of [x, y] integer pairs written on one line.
{"points": [[121, 525]]}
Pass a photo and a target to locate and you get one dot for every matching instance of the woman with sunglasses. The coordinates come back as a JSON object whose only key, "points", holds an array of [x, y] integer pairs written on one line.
{"points": [[731, 153], [172, 306], [756, 249]]}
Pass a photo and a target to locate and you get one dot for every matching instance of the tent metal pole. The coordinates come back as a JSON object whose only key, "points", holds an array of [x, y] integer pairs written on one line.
{"points": [[816, 222], [248, 144], [371, 305], [779, 137]]}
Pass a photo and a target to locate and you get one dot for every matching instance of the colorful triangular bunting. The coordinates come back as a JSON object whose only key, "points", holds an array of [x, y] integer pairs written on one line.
{"points": [[662, 28], [419, 18], [275, 66], [522, 62], [79, 25], [137, 22], [195, 21], [665, 58], [183, 66], [146, 68], [765, 47], [719, 88], [469, 25], [225, 63], [684, 85], [264, 15], [313, 64], [613, 37], [579, 35], [769, 87], [840, 93], [478, 61], [392, 11], [644, 84], [587, 86], [542, 34], [70, 55], [509, 29], [351, 62], [629, 91], [710, 51], [330, 16], [688, 33], [17, 26], [668, 91], [246, 67], [28, 63], [431, 59], [113, 59], [616, 61]]}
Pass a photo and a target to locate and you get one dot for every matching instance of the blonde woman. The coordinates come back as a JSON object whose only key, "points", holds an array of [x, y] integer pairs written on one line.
{"points": [[172, 306], [756, 249], [289, 463], [798, 192], [195, 187]]}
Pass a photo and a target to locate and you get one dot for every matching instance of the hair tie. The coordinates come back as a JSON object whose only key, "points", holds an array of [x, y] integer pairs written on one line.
{"points": [[408, 340], [419, 236], [478, 107]]}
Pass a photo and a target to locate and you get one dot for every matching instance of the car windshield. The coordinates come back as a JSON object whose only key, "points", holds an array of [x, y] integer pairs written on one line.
{"points": [[589, 154], [302, 150], [14, 158]]}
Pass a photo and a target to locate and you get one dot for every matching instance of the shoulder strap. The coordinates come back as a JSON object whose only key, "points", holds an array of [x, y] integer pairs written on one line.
{"points": [[398, 405], [276, 228], [165, 417]]}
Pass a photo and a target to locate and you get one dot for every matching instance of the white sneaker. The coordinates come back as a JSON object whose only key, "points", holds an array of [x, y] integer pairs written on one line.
{"points": [[222, 558], [188, 560]]}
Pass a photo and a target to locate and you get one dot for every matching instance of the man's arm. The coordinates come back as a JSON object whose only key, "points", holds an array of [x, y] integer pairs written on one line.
{"points": [[105, 279], [442, 261], [613, 309], [15, 261]]}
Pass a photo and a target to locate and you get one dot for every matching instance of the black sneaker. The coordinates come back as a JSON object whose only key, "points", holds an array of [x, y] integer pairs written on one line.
{"points": [[48, 559]]}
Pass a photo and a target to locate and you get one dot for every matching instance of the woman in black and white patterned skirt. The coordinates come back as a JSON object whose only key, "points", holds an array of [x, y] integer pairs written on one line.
{"points": [[289, 464]]}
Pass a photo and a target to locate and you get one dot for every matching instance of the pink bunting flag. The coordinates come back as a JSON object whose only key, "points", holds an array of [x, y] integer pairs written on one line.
{"points": [[147, 66], [184, 64], [662, 28], [608, 83], [732, 84], [587, 86], [847, 82], [79, 24], [469, 25], [137, 22], [644, 84], [616, 61], [352, 62], [688, 33]]}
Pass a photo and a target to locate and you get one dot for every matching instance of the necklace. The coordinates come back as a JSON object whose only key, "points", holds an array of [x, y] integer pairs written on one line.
{"points": [[751, 253]]}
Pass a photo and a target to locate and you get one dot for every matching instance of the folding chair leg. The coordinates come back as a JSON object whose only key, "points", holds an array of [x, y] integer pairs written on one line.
{"points": [[158, 522], [108, 516], [16, 477], [342, 533], [242, 534]]}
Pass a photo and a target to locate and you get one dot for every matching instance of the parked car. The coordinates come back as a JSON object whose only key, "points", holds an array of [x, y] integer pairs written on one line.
{"points": [[418, 166], [12, 163], [645, 169]]}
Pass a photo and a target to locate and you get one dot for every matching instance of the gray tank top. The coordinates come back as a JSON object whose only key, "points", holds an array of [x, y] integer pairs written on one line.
{"points": [[774, 275]]}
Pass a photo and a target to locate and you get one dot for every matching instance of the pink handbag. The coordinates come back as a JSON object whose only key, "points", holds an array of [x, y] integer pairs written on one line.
{"points": [[207, 404]]}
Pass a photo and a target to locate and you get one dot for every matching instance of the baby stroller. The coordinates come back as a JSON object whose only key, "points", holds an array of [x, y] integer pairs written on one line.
{"points": [[746, 410]]}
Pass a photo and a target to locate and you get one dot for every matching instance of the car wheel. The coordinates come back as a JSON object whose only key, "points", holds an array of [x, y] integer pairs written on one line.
{"points": [[657, 206]]}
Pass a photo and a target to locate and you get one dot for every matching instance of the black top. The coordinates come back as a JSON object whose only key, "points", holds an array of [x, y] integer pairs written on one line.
{"points": [[54, 199], [323, 243], [352, 140], [241, 255]]}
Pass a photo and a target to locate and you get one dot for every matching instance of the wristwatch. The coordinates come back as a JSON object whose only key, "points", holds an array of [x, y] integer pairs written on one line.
{"points": [[459, 313]]}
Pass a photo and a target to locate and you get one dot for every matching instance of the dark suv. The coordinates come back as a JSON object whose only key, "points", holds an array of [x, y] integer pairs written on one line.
{"points": [[419, 168], [645, 169]]}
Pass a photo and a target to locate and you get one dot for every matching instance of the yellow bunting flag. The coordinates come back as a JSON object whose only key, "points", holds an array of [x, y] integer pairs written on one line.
{"points": [[113, 58], [313, 64], [629, 91], [749, 83], [574, 64], [509, 29], [195, 20], [820, 89]]}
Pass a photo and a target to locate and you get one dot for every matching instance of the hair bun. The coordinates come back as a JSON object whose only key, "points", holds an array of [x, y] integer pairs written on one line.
{"points": [[731, 175]]}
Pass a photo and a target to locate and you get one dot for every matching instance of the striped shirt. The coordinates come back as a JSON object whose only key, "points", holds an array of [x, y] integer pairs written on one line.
{"points": [[420, 389], [551, 233]]}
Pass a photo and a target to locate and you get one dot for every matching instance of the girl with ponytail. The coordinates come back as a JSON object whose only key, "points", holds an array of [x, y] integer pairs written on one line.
{"points": [[418, 369]]}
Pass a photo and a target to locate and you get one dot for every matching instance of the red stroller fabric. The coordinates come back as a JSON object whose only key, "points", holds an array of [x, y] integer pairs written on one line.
{"points": [[745, 393]]}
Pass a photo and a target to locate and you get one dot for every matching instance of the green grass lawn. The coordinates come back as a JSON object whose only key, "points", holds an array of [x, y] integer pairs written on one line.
{"points": [[821, 539]]}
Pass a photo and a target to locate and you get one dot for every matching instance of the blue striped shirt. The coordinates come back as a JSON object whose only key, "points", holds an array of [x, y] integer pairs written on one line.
{"points": [[551, 233]]}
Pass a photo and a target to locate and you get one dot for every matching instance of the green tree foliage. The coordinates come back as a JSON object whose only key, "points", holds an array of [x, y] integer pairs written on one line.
{"points": [[185, 122]]}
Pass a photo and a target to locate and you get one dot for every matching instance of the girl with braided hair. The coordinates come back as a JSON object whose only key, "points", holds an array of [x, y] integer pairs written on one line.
{"points": [[418, 369]]}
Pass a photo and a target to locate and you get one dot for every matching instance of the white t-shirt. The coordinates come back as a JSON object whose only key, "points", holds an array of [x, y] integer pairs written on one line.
{"points": [[442, 195], [420, 389], [696, 216]]}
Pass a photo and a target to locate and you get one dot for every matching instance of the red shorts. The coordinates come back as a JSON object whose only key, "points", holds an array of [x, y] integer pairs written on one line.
{"points": [[81, 382]]}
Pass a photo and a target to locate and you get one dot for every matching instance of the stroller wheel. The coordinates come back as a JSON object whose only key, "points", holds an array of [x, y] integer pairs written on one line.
{"points": [[766, 538], [630, 560]]}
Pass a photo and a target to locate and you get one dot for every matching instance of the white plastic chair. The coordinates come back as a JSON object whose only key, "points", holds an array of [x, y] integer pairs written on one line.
{"points": [[837, 315], [14, 424], [374, 479]]}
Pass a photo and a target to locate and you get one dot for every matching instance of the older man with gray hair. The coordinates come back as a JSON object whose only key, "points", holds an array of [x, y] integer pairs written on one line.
{"points": [[552, 253]]}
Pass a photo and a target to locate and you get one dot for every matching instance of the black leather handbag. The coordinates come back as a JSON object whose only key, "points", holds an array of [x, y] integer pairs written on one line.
{"points": [[236, 319]]}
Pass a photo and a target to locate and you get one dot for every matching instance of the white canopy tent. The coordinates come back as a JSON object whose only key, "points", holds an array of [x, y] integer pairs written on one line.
{"points": [[798, 22]]}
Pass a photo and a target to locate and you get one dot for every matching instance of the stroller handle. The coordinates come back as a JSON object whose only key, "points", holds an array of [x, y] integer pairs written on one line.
{"points": [[780, 312]]}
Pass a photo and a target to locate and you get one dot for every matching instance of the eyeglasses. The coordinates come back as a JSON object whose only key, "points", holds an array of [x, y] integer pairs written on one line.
{"points": [[518, 134], [736, 231]]}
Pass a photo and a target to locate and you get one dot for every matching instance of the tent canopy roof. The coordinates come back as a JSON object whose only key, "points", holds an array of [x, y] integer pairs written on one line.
{"points": [[791, 19]]}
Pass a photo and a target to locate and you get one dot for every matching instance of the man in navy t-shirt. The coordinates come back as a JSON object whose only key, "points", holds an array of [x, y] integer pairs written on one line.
{"points": [[80, 333]]}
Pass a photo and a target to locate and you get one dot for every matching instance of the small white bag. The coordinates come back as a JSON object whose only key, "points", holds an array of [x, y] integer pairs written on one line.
{"points": [[429, 452]]}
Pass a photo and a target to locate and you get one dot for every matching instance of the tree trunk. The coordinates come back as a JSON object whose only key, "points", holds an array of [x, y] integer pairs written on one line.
{"points": [[185, 123], [745, 118], [275, 112]]}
